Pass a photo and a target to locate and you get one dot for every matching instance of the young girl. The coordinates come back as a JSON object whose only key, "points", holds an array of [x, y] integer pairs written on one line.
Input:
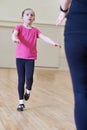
{"points": [[26, 53]]}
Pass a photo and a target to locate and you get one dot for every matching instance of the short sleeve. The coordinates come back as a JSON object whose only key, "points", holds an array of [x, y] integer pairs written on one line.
{"points": [[17, 28], [38, 32]]}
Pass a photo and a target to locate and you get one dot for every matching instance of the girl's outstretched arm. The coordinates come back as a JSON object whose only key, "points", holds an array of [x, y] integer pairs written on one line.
{"points": [[48, 40], [14, 36]]}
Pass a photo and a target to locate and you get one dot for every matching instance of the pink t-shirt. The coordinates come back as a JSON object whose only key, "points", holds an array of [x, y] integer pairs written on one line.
{"points": [[27, 48]]}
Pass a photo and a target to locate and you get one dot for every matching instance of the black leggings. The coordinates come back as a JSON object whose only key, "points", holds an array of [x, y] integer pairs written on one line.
{"points": [[25, 70], [76, 54]]}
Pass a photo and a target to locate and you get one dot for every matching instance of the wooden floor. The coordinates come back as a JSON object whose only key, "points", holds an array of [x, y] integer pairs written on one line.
{"points": [[50, 106]]}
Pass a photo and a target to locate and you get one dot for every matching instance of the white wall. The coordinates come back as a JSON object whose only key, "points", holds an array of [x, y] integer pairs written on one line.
{"points": [[7, 49], [46, 11]]}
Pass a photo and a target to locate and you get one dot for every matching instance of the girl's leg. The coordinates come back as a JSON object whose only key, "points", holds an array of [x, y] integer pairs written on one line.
{"points": [[76, 53], [20, 63], [29, 70]]}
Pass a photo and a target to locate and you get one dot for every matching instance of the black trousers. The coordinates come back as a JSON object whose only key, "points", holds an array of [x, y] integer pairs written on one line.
{"points": [[25, 70], [76, 54]]}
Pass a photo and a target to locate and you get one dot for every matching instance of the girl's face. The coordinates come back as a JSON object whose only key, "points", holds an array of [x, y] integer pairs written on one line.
{"points": [[28, 16]]}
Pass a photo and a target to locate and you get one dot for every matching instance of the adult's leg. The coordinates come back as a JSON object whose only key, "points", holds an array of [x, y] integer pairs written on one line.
{"points": [[76, 53]]}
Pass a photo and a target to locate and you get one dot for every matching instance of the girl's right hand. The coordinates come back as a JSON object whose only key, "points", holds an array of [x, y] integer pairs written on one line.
{"points": [[60, 18], [16, 40]]}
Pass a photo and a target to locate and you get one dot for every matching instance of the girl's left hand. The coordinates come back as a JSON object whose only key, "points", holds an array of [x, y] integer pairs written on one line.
{"points": [[57, 45]]}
